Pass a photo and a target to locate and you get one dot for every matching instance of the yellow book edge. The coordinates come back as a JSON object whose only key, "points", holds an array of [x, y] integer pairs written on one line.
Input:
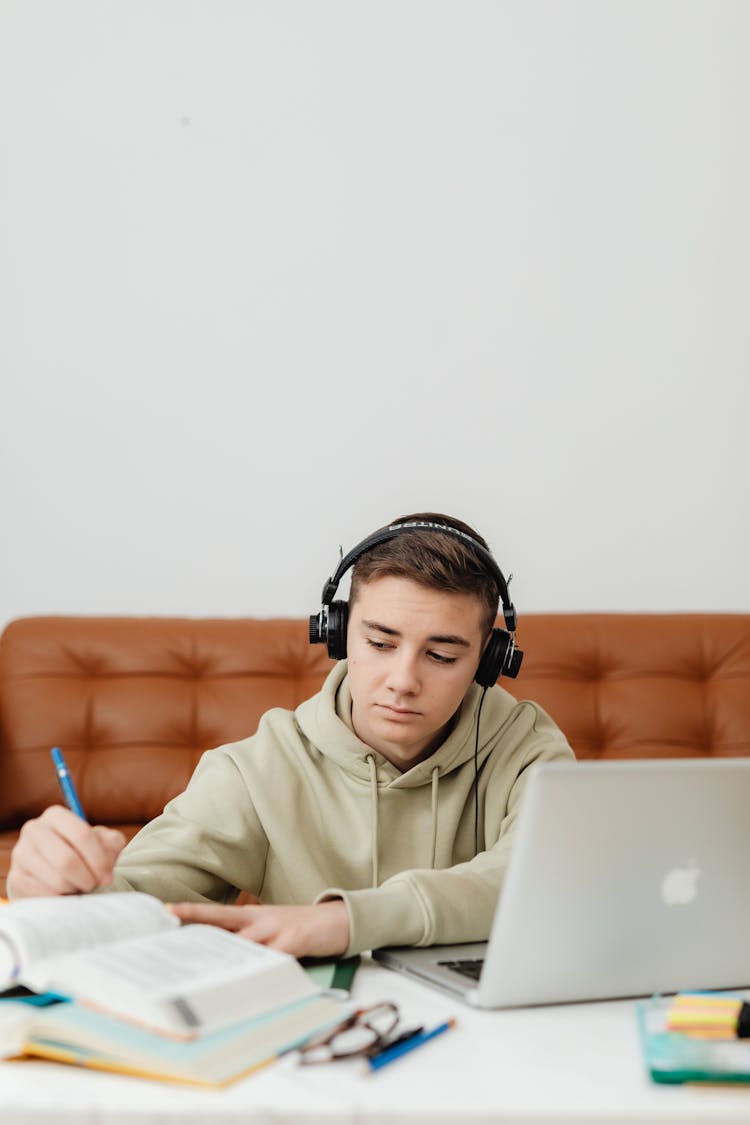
{"points": [[98, 1062]]}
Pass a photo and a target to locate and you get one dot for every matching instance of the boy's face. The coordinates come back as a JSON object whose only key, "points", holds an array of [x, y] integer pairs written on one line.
{"points": [[412, 652]]}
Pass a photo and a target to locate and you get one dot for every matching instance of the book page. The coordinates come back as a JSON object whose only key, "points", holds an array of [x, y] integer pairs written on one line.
{"points": [[15, 1023], [37, 928], [195, 956], [8, 962], [187, 981]]}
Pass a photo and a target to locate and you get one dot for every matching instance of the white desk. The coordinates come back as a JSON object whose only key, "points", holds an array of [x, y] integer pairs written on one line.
{"points": [[573, 1063]]}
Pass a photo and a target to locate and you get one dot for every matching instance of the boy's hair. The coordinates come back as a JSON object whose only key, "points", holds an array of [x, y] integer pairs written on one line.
{"points": [[437, 561]]}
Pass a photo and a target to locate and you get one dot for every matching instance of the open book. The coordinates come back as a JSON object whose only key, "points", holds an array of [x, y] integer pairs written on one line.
{"points": [[198, 1001]]}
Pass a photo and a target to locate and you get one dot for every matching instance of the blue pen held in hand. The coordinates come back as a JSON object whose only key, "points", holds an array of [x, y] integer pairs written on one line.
{"points": [[68, 789]]}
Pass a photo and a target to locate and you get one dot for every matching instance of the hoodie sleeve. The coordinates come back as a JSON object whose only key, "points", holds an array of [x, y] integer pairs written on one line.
{"points": [[456, 904], [206, 845]]}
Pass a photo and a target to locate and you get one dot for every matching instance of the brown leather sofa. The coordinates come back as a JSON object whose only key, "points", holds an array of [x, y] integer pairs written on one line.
{"points": [[133, 702]]}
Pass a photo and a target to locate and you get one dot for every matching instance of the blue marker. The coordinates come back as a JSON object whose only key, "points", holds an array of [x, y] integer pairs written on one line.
{"points": [[68, 789]]}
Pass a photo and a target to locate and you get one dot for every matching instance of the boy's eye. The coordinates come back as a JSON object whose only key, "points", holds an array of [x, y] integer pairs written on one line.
{"points": [[381, 646], [388, 646]]}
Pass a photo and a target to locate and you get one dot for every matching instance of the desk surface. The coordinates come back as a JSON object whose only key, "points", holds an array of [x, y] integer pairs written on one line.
{"points": [[572, 1063]]}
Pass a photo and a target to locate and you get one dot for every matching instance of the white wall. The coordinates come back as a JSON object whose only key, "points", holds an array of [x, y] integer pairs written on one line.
{"points": [[272, 273]]}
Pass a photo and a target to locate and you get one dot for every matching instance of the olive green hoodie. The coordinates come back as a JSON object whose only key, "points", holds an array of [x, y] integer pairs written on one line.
{"points": [[304, 811]]}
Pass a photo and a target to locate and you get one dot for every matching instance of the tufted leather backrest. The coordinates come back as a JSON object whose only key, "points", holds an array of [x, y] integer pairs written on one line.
{"points": [[641, 685], [133, 702]]}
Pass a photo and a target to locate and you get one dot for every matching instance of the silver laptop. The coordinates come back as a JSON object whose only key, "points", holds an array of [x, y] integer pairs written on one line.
{"points": [[626, 878]]}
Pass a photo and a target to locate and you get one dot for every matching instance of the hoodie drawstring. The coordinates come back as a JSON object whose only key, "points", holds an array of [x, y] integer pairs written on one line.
{"points": [[375, 825], [435, 774], [374, 805]]}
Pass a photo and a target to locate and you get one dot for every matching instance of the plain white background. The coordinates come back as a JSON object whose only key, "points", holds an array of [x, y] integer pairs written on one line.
{"points": [[273, 273]]}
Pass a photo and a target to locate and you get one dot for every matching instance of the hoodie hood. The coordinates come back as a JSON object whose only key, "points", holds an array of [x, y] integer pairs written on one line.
{"points": [[326, 720]]}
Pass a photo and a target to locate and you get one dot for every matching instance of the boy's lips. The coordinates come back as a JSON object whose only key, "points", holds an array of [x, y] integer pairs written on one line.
{"points": [[396, 712]]}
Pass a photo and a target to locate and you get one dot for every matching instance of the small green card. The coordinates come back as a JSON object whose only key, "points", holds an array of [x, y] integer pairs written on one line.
{"points": [[332, 973]]}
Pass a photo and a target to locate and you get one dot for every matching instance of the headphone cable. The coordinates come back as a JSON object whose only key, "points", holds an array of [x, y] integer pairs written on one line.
{"points": [[476, 776]]}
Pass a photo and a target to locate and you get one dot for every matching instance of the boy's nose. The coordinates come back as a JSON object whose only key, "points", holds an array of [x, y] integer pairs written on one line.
{"points": [[402, 673]]}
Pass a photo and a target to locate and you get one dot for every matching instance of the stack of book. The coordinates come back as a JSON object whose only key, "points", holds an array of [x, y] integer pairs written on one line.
{"points": [[190, 1004]]}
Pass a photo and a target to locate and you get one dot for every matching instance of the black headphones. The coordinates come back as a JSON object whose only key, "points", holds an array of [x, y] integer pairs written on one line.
{"points": [[500, 657]]}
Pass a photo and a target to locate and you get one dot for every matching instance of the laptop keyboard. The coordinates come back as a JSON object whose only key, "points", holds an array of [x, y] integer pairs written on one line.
{"points": [[471, 969]]}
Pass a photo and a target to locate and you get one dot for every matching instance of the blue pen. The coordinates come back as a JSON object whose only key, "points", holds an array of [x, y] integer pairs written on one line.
{"points": [[66, 784], [399, 1049]]}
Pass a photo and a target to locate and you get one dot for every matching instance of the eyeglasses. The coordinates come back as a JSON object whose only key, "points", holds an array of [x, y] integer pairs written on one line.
{"points": [[363, 1032]]}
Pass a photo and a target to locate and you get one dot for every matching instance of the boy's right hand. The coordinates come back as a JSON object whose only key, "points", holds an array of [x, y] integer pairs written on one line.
{"points": [[59, 854]]}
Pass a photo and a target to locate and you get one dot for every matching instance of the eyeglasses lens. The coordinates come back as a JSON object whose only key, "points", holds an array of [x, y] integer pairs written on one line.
{"points": [[368, 1029]]}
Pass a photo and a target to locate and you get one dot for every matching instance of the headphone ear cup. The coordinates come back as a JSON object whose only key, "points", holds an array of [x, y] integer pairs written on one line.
{"points": [[338, 619], [493, 658]]}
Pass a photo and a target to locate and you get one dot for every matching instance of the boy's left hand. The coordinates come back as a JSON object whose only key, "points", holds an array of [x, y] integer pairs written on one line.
{"points": [[321, 930]]}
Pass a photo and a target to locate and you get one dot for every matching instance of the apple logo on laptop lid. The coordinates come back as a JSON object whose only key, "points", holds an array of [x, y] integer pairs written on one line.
{"points": [[680, 885]]}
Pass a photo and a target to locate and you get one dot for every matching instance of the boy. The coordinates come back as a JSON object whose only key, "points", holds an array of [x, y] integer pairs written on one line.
{"points": [[381, 811]]}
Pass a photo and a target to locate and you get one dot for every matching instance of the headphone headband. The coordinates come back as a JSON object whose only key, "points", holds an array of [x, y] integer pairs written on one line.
{"points": [[396, 529]]}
